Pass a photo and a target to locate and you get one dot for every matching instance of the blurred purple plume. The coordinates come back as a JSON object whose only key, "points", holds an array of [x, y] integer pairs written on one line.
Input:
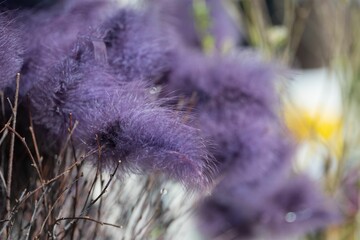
{"points": [[277, 207], [235, 102]]}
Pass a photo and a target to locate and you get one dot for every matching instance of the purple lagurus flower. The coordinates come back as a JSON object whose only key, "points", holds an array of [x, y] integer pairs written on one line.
{"points": [[248, 146], [235, 104], [10, 51], [129, 123], [277, 207], [49, 33], [137, 45], [72, 69], [240, 77]]}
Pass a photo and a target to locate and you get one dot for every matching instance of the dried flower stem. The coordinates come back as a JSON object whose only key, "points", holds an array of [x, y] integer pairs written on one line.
{"points": [[53, 206], [16, 134], [87, 219], [38, 157], [36, 207], [12, 143]]}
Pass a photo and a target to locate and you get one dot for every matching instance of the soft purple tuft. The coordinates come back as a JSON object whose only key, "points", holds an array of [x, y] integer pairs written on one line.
{"points": [[235, 103], [286, 206], [235, 79], [130, 124], [136, 44], [77, 65], [50, 33]]}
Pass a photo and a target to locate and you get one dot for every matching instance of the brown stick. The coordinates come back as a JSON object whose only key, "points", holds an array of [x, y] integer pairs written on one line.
{"points": [[12, 143]]}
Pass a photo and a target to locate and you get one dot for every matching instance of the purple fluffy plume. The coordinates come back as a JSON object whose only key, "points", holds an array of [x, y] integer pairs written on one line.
{"points": [[134, 47], [10, 51], [76, 64], [241, 78], [129, 123], [50, 33], [137, 45], [235, 102], [276, 208]]}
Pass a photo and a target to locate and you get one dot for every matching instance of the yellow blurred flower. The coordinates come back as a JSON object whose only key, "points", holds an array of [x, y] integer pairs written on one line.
{"points": [[313, 113], [322, 127]]}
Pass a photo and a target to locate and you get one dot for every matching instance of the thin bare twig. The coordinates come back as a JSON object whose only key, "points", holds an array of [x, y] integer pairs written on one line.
{"points": [[33, 136], [107, 184], [53, 206], [96, 176], [87, 219], [12, 145], [37, 204], [67, 170], [12, 130]]}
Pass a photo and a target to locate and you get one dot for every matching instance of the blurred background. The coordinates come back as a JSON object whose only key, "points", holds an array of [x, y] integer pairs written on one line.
{"points": [[318, 40]]}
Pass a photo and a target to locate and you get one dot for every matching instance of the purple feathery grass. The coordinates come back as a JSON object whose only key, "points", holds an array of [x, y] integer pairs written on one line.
{"points": [[304, 206], [235, 106], [99, 80], [134, 44], [130, 124], [54, 30], [10, 51], [277, 207], [241, 77], [50, 33], [137, 45]]}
